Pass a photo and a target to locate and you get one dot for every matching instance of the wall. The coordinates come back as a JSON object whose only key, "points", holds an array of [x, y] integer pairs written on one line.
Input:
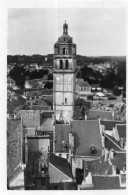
{"points": [[38, 144], [31, 118]]}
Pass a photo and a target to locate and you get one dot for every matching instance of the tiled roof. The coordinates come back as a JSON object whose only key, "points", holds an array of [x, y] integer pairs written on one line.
{"points": [[103, 115], [64, 186], [14, 103], [46, 124], [43, 103], [43, 91], [61, 134], [49, 98], [121, 130], [14, 155], [33, 93], [99, 166], [112, 143], [119, 160], [109, 124], [86, 133], [32, 82], [61, 164], [82, 83], [95, 85], [106, 182]]}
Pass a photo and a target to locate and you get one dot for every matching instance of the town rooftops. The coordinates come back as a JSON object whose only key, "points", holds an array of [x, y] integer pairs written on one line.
{"points": [[109, 124], [104, 167], [121, 128], [62, 135], [103, 115], [86, 134], [27, 91]]}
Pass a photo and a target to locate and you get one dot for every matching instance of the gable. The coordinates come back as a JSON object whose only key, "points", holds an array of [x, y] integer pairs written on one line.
{"points": [[56, 176]]}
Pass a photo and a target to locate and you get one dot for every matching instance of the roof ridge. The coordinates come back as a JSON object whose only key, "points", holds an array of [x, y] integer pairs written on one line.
{"points": [[113, 142]]}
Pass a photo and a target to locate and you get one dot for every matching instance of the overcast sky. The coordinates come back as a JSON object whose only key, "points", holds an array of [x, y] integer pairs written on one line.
{"points": [[96, 31]]}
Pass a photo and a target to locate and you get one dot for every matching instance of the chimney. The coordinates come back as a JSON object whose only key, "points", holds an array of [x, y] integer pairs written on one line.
{"points": [[111, 153], [85, 170], [124, 168], [113, 115], [121, 142], [113, 170], [106, 154], [86, 117]]}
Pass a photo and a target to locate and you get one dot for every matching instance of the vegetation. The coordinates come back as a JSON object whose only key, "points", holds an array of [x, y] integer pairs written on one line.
{"points": [[111, 80]]}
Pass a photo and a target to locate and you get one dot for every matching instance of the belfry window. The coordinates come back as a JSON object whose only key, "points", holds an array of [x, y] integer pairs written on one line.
{"points": [[66, 64], [65, 100], [61, 64], [64, 51]]}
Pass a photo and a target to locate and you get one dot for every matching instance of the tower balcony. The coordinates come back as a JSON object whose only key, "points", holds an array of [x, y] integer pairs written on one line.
{"points": [[64, 70], [64, 56]]}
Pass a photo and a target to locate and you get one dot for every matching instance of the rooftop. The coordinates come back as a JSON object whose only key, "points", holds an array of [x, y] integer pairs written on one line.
{"points": [[112, 143], [14, 103], [61, 164], [61, 134], [14, 155], [103, 115], [121, 128], [109, 124], [106, 182], [86, 133], [82, 83]]}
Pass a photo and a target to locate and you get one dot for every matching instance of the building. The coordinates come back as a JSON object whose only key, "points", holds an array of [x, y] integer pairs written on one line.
{"points": [[14, 105], [15, 166], [83, 88], [64, 76], [60, 174]]}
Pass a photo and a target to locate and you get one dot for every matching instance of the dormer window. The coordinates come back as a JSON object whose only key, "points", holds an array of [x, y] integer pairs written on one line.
{"points": [[93, 149]]}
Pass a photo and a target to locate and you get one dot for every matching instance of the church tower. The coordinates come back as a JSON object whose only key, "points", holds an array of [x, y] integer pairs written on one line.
{"points": [[64, 76]]}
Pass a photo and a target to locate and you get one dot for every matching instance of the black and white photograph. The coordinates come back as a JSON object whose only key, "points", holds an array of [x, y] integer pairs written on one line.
{"points": [[66, 96]]}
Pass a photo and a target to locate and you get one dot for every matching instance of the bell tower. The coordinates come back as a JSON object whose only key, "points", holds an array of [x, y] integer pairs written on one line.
{"points": [[64, 76]]}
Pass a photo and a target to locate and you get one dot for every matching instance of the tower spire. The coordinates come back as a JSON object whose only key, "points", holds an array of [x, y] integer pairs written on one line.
{"points": [[65, 28]]}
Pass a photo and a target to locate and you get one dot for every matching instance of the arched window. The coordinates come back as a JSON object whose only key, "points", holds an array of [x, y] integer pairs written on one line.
{"points": [[63, 51], [66, 64], [61, 64]]}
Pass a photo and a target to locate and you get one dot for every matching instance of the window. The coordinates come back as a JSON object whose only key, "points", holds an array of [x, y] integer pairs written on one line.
{"points": [[63, 51], [66, 64], [61, 64], [65, 100]]}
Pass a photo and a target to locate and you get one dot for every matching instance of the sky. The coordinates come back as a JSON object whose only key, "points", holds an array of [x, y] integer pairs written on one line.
{"points": [[96, 31]]}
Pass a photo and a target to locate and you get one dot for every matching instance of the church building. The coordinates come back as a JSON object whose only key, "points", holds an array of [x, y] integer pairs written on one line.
{"points": [[64, 76]]}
